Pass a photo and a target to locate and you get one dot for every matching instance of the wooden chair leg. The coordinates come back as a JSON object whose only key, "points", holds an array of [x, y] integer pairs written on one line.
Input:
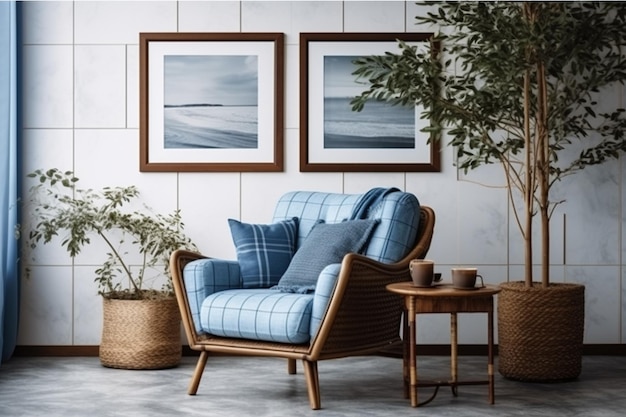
{"points": [[312, 383], [197, 374], [291, 366]]}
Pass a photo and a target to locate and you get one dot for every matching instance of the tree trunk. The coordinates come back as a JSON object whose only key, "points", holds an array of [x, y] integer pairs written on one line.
{"points": [[543, 171], [528, 190]]}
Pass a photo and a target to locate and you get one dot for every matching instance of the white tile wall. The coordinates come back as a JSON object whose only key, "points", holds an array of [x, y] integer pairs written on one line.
{"points": [[602, 300], [316, 16], [43, 149], [292, 98], [111, 157], [81, 107], [100, 86], [623, 307], [623, 245], [46, 307], [206, 202], [87, 307], [374, 16], [209, 16], [266, 16], [415, 9], [132, 87], [49, 22], [48, 86], [120, 22], [593, 215]]}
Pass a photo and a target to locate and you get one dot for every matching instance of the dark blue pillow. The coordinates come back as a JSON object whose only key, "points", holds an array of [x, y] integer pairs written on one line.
{"points": [[264, 251], [326, 244]]}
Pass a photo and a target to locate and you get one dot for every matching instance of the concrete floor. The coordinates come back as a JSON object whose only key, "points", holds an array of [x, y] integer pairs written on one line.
{"points": [[242, 386]]}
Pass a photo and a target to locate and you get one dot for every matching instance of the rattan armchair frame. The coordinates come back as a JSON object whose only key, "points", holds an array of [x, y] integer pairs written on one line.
{"points": [[362, 316]]}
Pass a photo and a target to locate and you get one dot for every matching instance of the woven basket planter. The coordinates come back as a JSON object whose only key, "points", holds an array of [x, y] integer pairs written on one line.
{"points": [[140, 334], [540, 331]]}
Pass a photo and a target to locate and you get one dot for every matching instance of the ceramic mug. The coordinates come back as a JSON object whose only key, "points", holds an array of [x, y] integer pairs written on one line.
{"points": [[465, 278], [422, 272]]}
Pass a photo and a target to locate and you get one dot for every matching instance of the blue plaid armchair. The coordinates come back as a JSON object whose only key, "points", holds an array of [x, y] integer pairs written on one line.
{"points": [[310, 285]]}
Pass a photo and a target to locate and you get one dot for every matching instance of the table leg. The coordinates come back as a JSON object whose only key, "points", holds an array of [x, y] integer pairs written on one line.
{"points": [[405, 352], [490, 370], [454, 354], [412, 354]]}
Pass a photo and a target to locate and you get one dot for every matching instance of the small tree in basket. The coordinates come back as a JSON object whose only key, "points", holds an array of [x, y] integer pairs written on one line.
{"points": [[520, 84], [57, 208]]}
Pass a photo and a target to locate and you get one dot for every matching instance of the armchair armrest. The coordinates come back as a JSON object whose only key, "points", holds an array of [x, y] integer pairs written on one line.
{"points": [[204, 277], [195, 277], [362, 316], [323, 291]]}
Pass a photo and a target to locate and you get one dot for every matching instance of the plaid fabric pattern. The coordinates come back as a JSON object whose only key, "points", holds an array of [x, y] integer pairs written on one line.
{"points": [[258, 314], [323, 290], [399, 223], [263, 314], [264, 251], [314, 206], [392, 238], [205, 277]]}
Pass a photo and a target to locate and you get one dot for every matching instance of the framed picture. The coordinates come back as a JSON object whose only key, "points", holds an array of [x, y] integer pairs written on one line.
{"points": [[211, 101], [333, 138]]}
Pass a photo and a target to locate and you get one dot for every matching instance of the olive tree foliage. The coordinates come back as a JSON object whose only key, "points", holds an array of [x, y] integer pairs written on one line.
{"points": [[516, 84]]}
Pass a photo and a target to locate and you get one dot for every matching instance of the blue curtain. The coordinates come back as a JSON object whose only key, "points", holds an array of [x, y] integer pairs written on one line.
{"points": [[9, 280]]}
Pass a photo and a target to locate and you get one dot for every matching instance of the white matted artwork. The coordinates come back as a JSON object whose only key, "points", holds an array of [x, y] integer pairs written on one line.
{"points": [[211, 101], [381, 137]]}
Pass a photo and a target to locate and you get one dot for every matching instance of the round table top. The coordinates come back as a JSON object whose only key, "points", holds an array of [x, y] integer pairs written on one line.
{"points": [[441, 290]]}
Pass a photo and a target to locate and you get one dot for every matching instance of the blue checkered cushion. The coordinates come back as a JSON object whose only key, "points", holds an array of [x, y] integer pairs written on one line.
{"points": [[392, 239], [264, 251], [325, 245], [258, 314]]}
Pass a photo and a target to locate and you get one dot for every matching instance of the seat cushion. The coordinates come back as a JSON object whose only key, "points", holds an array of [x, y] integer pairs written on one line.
{"points": [[264, 251], [326, 244], [258, 314]]}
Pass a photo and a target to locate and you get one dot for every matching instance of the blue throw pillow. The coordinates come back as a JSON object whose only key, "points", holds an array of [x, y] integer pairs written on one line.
{"points": [[326, 244], [264, 251]]}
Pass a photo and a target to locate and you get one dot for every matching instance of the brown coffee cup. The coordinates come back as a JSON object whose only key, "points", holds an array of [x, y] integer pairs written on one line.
{"points": [[422, 272], [465, 278]]}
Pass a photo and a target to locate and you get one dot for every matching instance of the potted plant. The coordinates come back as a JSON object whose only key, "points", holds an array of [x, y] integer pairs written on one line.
{"points": [[518, 84], [141, 327]]}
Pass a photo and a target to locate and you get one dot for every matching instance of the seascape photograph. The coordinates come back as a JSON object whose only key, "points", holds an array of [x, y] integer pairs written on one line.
{"points": [[211, 101], [378, 125]]}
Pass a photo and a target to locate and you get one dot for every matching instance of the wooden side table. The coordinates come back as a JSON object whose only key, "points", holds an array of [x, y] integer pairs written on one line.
{"points": [[443, 298]]}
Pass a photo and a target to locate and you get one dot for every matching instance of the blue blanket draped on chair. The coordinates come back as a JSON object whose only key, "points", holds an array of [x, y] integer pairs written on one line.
{"points": [[370, 200]]}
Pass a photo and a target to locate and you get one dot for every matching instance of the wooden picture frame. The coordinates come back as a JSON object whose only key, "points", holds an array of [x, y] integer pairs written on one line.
{"points": [[335, 139], [211, 102]]}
